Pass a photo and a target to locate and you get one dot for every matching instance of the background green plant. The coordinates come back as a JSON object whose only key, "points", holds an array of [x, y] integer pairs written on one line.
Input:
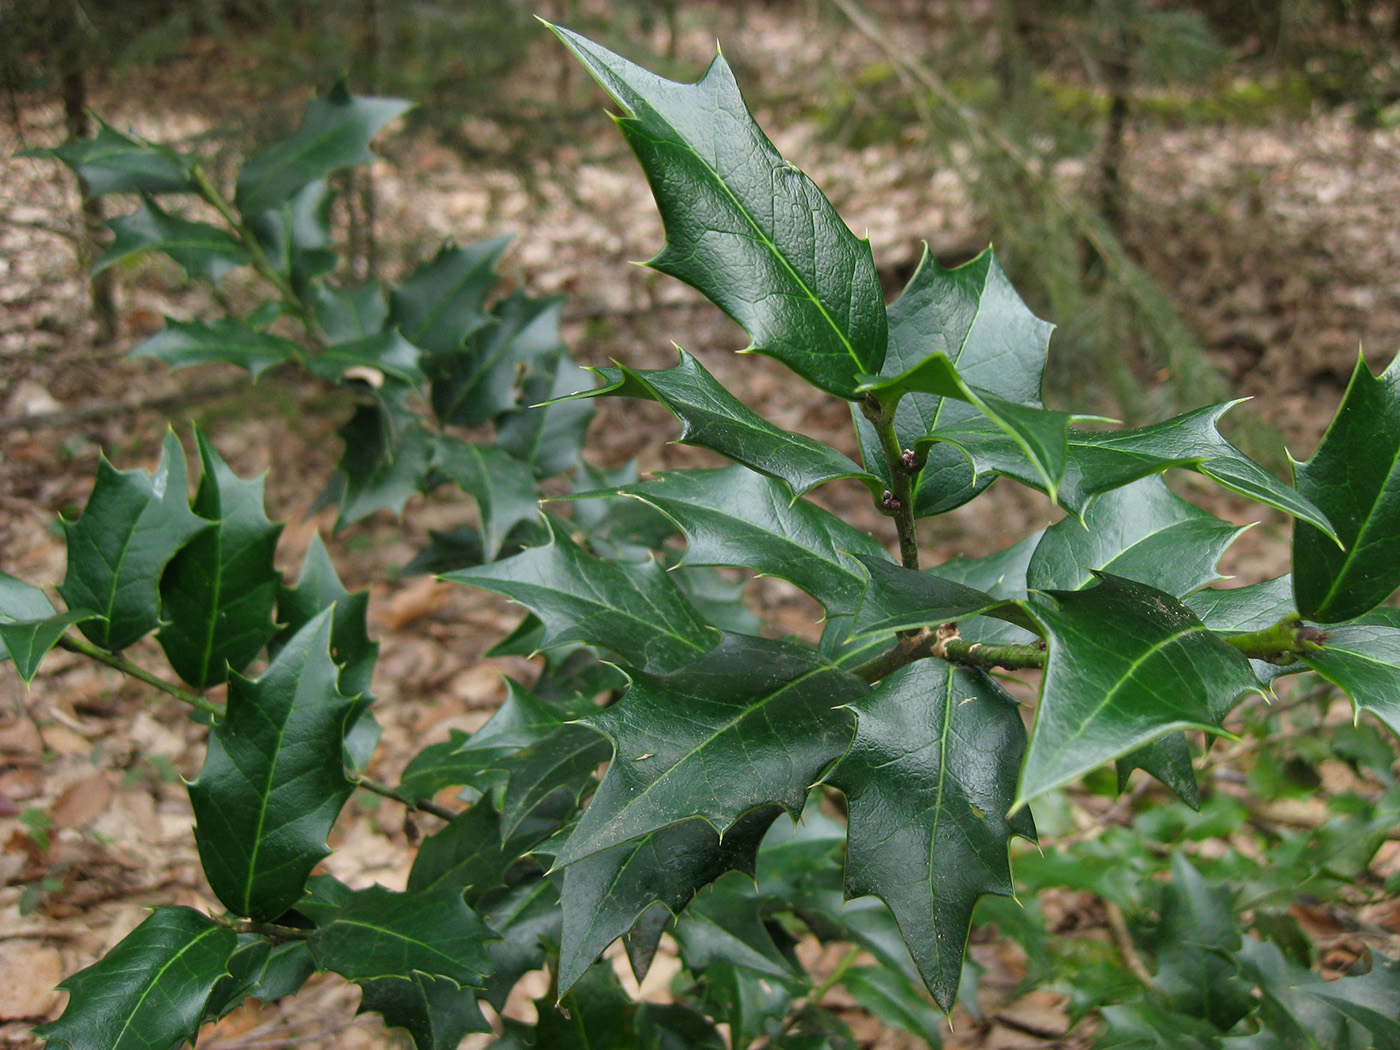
{"points": [[923, 767]]}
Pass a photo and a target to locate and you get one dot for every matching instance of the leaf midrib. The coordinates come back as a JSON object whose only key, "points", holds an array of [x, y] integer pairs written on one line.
{"points": [[155, 980]]}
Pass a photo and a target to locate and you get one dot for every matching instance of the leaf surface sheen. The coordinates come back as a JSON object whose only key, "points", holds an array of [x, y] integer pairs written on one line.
{"points": [[1143, 532], [148, 992], [713, 418], [733, 516], [133, 524], [203, 250], [899, 599], [218, 593], [751, 723], [182, 344], [317, 588], [633, 610], [1127, 663], [386, 352], [744, 226], [29, 624], [973, 317], [334, 133], [1354, 476], [604, 894], [929, 779], [274, 779], [1364, 661], [111, 162], [1098, 461]]}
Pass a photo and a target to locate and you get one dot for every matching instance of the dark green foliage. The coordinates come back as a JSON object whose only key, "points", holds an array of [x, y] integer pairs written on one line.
{"points": [[713, 732]]}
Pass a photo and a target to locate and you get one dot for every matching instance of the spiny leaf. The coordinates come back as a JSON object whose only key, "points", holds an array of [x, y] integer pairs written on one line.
{"points": [[713, 418], [386, 352], [318, 587], [347, 314], [751, 723], [1239, 609], [111, 162], [1354, 477], [1169, 760], [632, 610], [596, 1015], [898, 599], [218, 593], [335, 132], [434, 1011], [733, 516], [203, 250], [744, 226], [260, 970], [504, 488], [1372, 1001], [549, 434], [274, 778], [891, 998], [1162, 671], [442, 302], [225, 341], [972, 316], [725, 925], [147, 993], [1286, 1008], [383, 465], [603, 895], [928, 779], [563, 761], [133, 524], [1098, 461], [380, 934], [1364, 661], [295, 236], [1143, 532], [483, 380], [524, 917], [1041, 435], [1002, 575], [29, 624]]}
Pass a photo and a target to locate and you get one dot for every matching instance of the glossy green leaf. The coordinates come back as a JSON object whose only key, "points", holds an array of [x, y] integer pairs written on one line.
{"points": [[218, 593], [1193, 942], [751, 1004], [385, 352], [28, 641], [733, 516], [111, 162], [1099, 701], [525, 918], [1143, 532], [317, 588], [147, 993], [604, 894], [383, 465], [224, 341], [1354, 477], [295, 236], [1286, 1007], [335, 132], [972, 316], [133, 524], [928, 781], [1040, 434], [596, 1015], [898, 599], [1239, 609], [888, 996], [203, 250], [505, 490], [549, 434], [1169, 760], [1372, 1001], [348, 314], [1001, 574], [260, 970], [744, 226], [484, 379], [751, 723], [562, 761], [1102, 460], [713, 418], [274, 780], [379, 934], [443, 301], [632, 610], [434, 1011], [1364, 661], [726, 925]]}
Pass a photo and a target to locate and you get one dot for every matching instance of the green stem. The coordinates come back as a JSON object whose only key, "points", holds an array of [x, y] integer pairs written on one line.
{"points": [[421, 804], [1281, 643], [115, 660], [899, 501], [210, 193], [271, 930]]}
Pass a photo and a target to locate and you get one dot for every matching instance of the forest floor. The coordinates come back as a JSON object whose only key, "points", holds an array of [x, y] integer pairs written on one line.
{"points": [[1279, 242]]}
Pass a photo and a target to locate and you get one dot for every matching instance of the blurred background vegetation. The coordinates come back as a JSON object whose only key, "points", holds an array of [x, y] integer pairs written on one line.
{"points": [[1033, 101]]}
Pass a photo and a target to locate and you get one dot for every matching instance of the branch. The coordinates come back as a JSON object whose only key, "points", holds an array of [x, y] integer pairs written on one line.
{"points": [[423, 805], [899, 500], [115, 660]]}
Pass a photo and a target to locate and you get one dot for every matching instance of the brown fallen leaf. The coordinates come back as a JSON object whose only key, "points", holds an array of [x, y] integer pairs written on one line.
{"points": [[82, 802], [421, 598], [28, 973]]}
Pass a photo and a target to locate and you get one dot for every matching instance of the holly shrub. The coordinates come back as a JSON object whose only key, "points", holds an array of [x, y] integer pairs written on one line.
{"points": [[758, 791]]}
